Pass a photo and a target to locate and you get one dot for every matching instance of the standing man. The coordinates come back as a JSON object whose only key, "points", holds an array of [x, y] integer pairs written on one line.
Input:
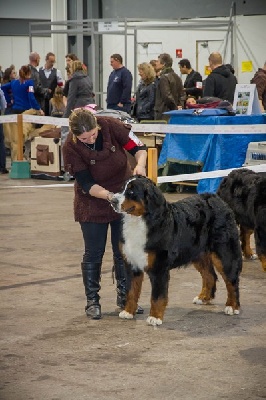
{"points": [[39, 92], [119, 86], [260, 80], [221, 82], [50, 78], [169, 89], [193, 82]]}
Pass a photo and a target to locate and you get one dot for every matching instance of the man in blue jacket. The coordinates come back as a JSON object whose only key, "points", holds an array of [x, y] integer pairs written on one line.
{"points": [[119, 85]]}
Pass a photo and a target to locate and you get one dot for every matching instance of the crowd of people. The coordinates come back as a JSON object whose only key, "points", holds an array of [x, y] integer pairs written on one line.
{"points": [[160, 88]]}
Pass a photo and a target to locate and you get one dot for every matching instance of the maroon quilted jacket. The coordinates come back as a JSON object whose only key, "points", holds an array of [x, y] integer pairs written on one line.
{"points": [[109, 168]]}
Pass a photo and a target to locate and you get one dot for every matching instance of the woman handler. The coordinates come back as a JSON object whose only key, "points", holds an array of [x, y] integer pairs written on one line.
{"points": [[94, 153]]}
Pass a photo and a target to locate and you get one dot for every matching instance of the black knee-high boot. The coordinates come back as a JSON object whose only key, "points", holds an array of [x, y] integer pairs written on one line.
{"points": [[122, 283], [91, 273]]}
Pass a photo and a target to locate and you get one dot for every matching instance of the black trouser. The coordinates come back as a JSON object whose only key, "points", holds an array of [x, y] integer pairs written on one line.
{"points": [[95, 236]]}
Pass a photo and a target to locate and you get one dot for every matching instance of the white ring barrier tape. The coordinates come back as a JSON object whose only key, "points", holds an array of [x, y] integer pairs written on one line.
{"points": [[36, 119], [155, 128], [161, 179], [207, 175], [201, 129]]}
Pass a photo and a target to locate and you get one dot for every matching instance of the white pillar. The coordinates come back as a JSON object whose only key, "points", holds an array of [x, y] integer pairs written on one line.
{"points": [[59, 40]]}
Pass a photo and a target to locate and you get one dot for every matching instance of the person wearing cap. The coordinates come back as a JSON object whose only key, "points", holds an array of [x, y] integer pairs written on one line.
{"points": [[94, 153], [193, 82]]}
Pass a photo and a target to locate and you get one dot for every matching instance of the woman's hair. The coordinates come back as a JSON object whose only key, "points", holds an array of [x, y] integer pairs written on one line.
{"points": [[77, 66], [81, 120], [7, 75], [72, 56], [24, 72], [149, 72], [58, 97]]}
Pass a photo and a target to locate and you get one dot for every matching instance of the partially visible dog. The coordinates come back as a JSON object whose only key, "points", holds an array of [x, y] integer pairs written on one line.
{"points": [[245, 192], [159, 236], [29, 132]]}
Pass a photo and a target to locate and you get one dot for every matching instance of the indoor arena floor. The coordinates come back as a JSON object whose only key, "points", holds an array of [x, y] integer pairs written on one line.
{"points": [[50, 350]]}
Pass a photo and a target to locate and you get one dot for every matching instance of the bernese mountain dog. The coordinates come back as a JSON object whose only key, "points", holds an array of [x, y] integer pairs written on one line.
{"points": [[158, 236], [245, 192]]}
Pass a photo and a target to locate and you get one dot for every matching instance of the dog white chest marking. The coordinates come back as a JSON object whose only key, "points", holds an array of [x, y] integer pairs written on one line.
{"points": [[135, 236]]}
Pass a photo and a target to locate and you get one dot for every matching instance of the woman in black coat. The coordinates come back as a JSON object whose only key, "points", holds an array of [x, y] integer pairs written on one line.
{"points": [[80, 92], [145, 94]]}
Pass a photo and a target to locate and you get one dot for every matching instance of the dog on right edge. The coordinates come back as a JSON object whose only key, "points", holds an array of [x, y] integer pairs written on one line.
{"points": [[245, 192]]}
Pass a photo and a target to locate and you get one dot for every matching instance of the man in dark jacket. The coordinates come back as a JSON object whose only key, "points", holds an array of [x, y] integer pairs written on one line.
{"points": [[119, 85], [221, 82], [169, 89], [260, 80], [50, 78], [39, 91], [193, 82]]}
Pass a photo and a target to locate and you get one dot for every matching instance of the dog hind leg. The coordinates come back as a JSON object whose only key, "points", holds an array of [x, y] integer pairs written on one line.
{"points": [[245, 234], [231, 278], [260, 238], [205, 267]]}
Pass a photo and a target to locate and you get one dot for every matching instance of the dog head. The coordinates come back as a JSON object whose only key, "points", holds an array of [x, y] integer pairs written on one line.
{"points": [[139, 196]]}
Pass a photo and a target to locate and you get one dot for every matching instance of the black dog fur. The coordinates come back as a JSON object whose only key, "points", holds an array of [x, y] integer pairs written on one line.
{"points": [[158, 236], [245, 192]]}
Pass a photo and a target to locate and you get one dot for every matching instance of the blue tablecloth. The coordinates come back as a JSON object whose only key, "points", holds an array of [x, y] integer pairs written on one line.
{"points": [[213, 151]]}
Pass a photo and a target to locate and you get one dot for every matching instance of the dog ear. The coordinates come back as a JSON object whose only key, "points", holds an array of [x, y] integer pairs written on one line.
{"points": [[154, 198]]}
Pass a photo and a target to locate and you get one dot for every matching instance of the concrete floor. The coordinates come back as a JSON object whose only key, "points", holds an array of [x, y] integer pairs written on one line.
{"points": [[50, 350]]}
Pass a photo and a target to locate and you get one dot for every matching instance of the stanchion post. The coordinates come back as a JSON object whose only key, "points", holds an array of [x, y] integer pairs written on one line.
{"points": [[20, 137], [152, 164]]}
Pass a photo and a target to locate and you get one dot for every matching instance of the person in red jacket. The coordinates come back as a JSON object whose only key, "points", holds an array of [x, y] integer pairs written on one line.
{"points": [[94, 153]]}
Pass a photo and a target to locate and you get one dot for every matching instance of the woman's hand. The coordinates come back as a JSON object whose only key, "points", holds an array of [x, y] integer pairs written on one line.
{"points": [[139, 170]]}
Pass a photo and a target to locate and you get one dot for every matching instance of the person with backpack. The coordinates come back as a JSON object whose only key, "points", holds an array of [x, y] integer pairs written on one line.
{"points": [[260, 81]]}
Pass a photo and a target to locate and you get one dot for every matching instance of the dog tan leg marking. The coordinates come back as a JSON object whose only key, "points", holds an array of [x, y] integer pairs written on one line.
{"points": [[263, 262], [232, 306], [157, 311], [208, 281], [245, 242], [132, 297], [151, 259]]}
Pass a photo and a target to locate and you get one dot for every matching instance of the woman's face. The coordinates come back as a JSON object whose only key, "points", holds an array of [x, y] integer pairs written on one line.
{"points": [[13, 74], [89, 136], [142, 74]]}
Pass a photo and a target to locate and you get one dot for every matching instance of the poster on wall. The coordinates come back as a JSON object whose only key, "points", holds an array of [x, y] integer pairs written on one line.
{"points": [[246, 100]]}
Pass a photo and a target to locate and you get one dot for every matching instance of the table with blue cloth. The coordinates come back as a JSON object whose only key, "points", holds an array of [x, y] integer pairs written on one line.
{"points": [[212, 151]]}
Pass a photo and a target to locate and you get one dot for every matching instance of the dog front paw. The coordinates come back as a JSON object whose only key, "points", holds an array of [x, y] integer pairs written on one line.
{"points": [[125, 315], [230, 311], [197, 300], [154, 321]]}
